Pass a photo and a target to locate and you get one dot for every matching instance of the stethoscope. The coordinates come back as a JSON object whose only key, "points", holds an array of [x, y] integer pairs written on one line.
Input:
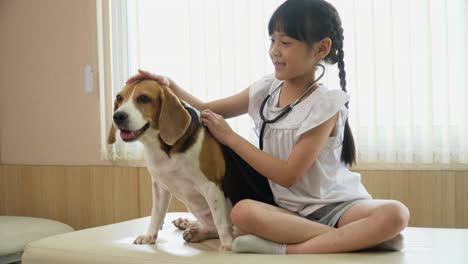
{"points": [[285, 110]]}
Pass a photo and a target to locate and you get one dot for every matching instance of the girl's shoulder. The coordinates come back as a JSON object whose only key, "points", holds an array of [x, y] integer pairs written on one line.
{"points": [[266, 83], [323, 105], [325, 102], [261, 88], [257, 93], [330, 97]]}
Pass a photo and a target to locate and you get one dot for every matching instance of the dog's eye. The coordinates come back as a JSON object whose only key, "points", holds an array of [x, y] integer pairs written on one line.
{"points": [[143, 99], [119, 98]]}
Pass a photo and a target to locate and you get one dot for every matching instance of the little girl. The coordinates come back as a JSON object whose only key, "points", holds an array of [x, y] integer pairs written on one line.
{"points": [[323, 207]]}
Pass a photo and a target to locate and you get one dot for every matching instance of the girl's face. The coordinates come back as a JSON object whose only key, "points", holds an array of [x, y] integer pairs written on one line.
{"points": [[292, 58]]}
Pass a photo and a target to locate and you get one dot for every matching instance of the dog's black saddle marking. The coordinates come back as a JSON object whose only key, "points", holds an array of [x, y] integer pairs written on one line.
{"points": [[240, 181]]}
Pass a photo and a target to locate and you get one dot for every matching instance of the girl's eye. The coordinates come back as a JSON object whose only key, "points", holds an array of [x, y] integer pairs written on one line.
{"points": [[143, 99], [282, 42], [119, 98]]}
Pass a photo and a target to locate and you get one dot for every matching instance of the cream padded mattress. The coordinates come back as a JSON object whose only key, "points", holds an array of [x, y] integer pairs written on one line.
{"points": [[113, 244]]}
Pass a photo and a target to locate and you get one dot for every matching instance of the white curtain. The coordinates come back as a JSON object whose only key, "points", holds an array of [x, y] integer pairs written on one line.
{"points": [[406, 68]]}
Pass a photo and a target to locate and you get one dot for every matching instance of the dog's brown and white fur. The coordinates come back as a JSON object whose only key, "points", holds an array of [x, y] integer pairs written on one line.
{"points": [[182, 158]]}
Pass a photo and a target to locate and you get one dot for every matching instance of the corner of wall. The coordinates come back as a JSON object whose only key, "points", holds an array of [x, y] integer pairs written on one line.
{"points": [[1, 122]]}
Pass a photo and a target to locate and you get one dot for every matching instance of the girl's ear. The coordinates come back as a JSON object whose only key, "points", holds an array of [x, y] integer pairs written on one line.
{"points": [[322, 48]]}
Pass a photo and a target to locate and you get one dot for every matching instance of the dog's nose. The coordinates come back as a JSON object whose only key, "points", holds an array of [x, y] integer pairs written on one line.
{"points": [[120, 117]]}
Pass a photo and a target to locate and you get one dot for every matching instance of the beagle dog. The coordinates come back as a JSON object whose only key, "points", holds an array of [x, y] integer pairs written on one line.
{"points": [[182, 157]]}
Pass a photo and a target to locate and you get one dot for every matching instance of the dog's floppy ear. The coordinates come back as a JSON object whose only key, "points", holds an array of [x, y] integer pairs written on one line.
{"points": [[111, 137], [174, 118]]}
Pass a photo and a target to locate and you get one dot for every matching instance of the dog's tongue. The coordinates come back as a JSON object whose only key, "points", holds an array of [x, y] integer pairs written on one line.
{"points": [[127, 135]]}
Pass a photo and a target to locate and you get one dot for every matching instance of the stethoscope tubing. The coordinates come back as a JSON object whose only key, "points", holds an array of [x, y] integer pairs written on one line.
{"points": [[285, 110]]}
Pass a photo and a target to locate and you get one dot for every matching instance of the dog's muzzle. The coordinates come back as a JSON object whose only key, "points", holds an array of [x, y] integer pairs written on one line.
{"points": [[121, 121], [120, 118]]}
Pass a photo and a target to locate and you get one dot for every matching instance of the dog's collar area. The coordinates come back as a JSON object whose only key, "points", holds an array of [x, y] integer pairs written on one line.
{"points": [[188, 138]]}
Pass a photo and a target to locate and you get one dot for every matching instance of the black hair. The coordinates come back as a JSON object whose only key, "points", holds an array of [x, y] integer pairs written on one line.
{"points": [[310, 21]]}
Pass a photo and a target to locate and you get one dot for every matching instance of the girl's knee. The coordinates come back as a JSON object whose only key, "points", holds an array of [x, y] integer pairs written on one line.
{"points": [[242, 214], [395, 216]]}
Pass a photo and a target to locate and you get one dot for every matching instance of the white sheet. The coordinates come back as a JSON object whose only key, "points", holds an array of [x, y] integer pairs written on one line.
{"points": [[113, 244]]}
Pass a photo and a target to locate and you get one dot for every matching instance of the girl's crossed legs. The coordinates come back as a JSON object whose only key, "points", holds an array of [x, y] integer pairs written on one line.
{"points": [[364, 225]]}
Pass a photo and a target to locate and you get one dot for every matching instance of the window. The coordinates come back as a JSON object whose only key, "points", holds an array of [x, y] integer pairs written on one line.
{"points": [[406, 68]]}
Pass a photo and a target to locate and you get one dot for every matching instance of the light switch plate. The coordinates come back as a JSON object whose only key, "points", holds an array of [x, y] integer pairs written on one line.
{"points": [[88, 79]]}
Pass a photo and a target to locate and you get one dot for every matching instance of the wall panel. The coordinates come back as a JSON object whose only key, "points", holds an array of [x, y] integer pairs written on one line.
{"points": [[88, 196]]}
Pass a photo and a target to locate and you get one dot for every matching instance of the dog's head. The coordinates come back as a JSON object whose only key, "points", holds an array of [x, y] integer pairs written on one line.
{"points": [[145, 105]]}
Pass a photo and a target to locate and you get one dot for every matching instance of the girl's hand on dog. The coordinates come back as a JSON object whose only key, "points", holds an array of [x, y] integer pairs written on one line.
{"points": [[144, 75], [217, 126]]}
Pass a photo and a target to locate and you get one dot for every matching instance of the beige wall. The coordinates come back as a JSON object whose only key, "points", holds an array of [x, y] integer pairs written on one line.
{"points": [[46, 115]]}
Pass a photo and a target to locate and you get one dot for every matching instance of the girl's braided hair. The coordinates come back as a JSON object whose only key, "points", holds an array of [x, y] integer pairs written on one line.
{"points": [[310, 21]]}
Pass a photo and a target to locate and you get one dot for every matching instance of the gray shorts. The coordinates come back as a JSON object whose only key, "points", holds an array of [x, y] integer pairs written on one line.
{"points": [[331, 213]]}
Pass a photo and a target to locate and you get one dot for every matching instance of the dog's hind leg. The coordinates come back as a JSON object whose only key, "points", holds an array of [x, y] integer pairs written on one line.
{"points": [[220, 209], [199, 232], [195, 231], [183, 223], [201, 229]]}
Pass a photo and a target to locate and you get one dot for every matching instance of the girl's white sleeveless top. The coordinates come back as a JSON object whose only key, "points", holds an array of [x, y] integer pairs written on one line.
{"points": [[329, 179]]}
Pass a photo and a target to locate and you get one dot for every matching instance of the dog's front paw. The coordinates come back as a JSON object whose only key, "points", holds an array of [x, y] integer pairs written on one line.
{"points": [[145, 239]]}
